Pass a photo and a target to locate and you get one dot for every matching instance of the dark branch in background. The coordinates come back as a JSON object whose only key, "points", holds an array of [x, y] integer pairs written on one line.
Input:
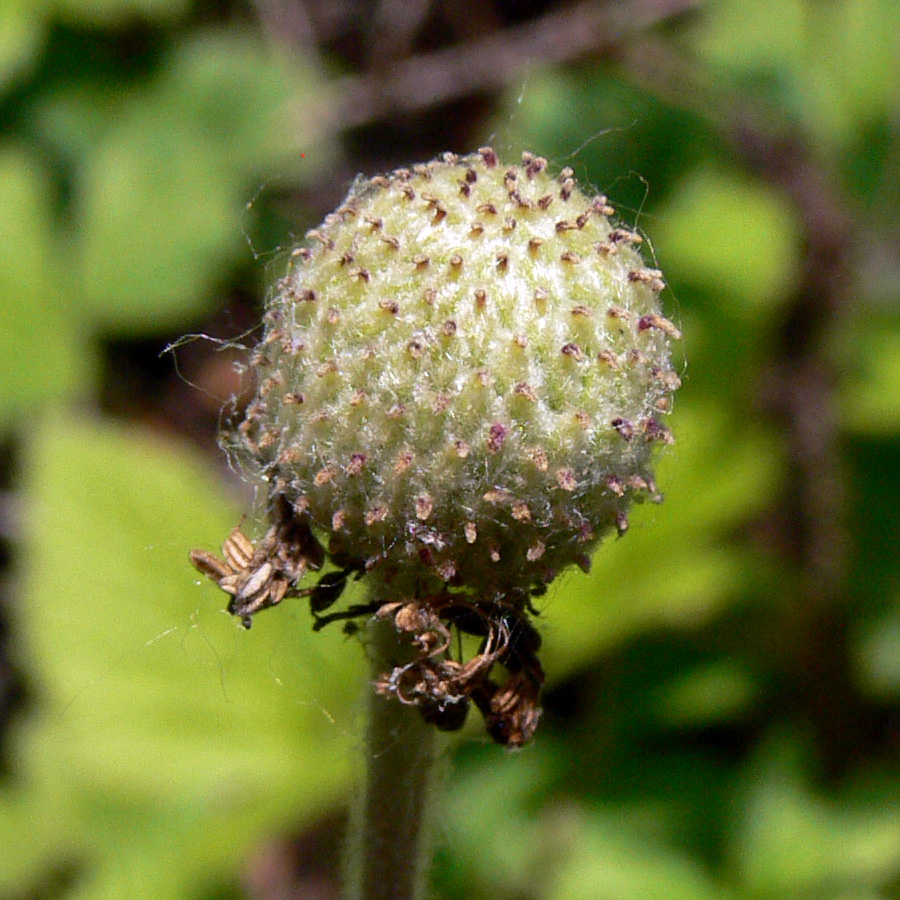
{"points": [[288, 24], [797, 391], [494, 61], [801, 394], [395, 26]]}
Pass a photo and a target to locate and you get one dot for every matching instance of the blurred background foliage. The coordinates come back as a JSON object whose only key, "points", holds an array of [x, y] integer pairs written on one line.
{"points": [[723, 712]]}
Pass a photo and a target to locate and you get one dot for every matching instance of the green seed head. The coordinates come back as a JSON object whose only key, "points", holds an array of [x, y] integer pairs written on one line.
{"points": [[463, 377]]}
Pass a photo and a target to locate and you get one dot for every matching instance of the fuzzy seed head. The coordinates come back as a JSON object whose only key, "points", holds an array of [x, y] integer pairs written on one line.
{"points": [[463, 376]]}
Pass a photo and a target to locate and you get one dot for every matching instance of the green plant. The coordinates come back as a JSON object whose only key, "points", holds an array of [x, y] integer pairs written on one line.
{"points": [[461, 383]]}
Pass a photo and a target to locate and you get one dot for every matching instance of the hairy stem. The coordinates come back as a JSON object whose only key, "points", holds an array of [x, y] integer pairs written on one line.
{"points": [[390, 841]]}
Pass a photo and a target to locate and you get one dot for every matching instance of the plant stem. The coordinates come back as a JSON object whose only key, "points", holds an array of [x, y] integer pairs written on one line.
{"points": [[390, 841]]}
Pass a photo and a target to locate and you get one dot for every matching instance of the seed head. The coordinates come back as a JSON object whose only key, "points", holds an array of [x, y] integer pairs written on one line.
{"points": [[464, 304], [462, 380]]}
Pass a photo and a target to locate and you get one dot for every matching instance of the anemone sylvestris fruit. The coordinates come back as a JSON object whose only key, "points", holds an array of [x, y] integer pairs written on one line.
{"points": [[462, 379]]}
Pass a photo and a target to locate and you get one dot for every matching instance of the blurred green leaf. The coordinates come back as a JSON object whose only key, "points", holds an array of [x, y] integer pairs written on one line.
{"points": [[877, 655], [42, 353], [834, 93], [869, 398], [503, 788], [739, 34], [22, 32], [109, 13], [721, 228], [605, 861], [712, 693], [158, 226], [72, 120], [257, 107], [161, 200], [164, 734], [857, 80], [792, 843]]}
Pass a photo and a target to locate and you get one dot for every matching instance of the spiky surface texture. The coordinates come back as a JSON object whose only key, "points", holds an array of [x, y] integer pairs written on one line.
{"points": [[462, 377]]}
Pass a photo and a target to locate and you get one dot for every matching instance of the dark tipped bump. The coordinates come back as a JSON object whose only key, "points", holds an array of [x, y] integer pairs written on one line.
{"points": [[534, 165], [524, 389], [624, 427], [356, 464], [446, 570], [403, 462], [489, 156], [535, 551], [655, 431], [424, 507], [324, 475], [623, 236], [316, 235], [660, 323], [376, 514], [521, 512], [607, 356], [496, 436]]}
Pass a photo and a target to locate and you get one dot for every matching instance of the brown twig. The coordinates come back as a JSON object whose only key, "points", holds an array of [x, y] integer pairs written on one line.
{"points": [[491, 62]]}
